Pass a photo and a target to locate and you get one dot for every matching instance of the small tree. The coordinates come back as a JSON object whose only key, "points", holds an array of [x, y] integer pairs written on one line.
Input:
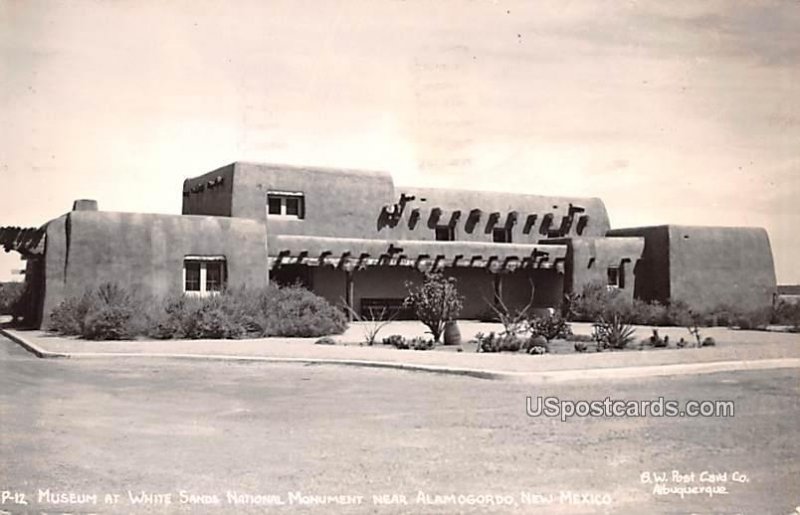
{"points": [[435, 302]]}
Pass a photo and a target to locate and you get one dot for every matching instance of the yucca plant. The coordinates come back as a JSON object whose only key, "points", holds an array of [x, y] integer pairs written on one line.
{"points": [[613, 333]]}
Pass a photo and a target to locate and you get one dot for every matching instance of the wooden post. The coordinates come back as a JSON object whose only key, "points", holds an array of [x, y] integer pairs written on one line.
{"points": [[348, 293], [498, 289]]}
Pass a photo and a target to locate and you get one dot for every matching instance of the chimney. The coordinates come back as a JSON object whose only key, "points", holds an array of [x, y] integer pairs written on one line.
{"points": [[84, 205]]}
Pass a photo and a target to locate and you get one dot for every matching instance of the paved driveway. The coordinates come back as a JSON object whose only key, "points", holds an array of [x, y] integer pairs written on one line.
{"points": [[194, 432]]}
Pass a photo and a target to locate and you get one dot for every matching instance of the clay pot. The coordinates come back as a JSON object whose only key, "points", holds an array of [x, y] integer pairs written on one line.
{"points": [[452, 335]]}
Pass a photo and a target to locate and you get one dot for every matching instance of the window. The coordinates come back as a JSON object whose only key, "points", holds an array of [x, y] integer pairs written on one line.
{"points": [[204, 275], [613, 277], [275, 205], [501, 235], [214, 274], [192, 271], [289, 204], [445, 233]]}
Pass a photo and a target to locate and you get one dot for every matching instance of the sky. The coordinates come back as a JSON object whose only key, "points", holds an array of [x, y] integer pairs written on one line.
{"points": [[679, 112]]}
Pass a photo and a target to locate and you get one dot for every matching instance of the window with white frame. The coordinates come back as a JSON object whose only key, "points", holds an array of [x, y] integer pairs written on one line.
{"points": [[204, 275], [290, 204]]}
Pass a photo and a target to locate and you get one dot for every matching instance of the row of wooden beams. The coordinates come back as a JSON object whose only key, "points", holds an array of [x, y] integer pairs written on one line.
{"points": [[26, 241], [423, 263]]}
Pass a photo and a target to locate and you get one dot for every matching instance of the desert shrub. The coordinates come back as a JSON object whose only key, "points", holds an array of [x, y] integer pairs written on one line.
{"points": [[68, 316], [648, 313], [214, 320], [488, 342], [510, 343], [596, 301], [721, 316], [536, 340], [170, 318], [787, 313], [395, 340], [414, 343], [421, 343], [105, 313], [109, 322], [613, 333], [401, 344], [10, 296], [550, 327], [756, 319], [435, 302], [113, 313], [372, 323], [504, 342], [515, 321], [296, 311]]}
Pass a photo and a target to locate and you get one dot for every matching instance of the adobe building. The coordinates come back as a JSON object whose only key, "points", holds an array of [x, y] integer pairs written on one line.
{"points": [[355, 238]]}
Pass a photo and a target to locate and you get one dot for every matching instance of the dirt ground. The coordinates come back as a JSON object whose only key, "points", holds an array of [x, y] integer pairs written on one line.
{"points": [[194, 432]]}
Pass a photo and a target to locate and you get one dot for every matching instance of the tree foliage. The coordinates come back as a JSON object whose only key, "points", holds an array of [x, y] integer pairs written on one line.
{"points": [[434, 302]]}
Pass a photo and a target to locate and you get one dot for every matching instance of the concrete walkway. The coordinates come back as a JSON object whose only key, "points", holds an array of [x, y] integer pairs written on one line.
{"points": [[736, 350]]}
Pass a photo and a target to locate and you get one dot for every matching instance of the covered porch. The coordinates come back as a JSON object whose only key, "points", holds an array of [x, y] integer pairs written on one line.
{"points": [[370, 275]]}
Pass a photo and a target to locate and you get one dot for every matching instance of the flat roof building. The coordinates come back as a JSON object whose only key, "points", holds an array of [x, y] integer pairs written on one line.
{"points": [[354, 237]]}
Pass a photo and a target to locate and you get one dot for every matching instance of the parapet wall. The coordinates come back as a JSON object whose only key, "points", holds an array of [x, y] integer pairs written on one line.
{"points": [[713, 266], [344, 203], [475, 215], [705, 267], [145, 252]]}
